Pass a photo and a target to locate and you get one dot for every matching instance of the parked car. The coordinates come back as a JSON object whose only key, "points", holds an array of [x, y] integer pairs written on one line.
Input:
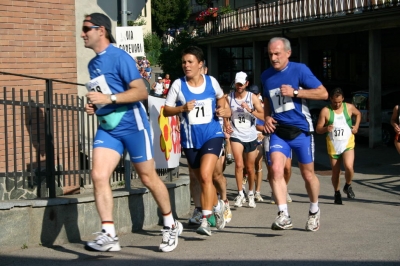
{"points": [[389, 99]]}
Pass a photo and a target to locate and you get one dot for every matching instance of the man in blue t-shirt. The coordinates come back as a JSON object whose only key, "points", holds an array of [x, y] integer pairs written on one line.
{"points": [[116, 90], [286, 86]]}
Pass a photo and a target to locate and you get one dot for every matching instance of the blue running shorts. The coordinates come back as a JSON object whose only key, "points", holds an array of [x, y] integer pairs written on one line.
{"points": [[139, 144], [303, 146]]}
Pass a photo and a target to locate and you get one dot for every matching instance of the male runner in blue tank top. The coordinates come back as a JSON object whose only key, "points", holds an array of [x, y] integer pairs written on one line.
{"points": [[115, 91], [285, 105]]}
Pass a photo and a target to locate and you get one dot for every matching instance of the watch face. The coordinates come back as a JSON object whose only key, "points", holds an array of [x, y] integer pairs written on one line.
{"points": [[113, 98]]}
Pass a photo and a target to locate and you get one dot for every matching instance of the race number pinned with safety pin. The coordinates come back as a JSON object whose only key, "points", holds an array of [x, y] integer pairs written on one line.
{"points": [[201, 113], [242, 120], [99, 84], [280, 103], [338, 133]]}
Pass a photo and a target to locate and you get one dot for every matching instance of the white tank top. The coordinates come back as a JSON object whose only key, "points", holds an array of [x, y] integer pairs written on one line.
{"points": [[242, 122]]}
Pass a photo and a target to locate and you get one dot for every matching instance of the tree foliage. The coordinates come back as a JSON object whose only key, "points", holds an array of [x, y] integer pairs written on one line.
{"points": [[169, 13], [152, 47], [171, 56]]}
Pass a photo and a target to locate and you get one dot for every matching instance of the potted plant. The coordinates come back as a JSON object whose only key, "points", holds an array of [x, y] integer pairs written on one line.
{"points": [[206, 15]]}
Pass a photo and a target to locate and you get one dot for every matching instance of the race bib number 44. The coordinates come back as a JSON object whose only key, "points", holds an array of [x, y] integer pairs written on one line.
{"points": [[99, 84], [202, 112], [280, 103]]}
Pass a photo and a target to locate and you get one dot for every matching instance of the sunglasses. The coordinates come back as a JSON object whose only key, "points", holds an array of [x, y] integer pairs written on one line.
{"points": [[89, 28]]}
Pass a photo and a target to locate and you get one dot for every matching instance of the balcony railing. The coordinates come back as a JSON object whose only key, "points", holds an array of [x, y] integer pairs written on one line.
{"points": [[291, 11]]}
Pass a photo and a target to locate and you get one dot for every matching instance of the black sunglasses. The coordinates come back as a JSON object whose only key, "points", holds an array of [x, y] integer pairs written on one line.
{"points": [[89, 28]]}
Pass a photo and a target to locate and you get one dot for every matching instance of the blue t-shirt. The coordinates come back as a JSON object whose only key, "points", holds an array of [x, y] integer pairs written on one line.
{"points": [[288, 110], [119, 69]]}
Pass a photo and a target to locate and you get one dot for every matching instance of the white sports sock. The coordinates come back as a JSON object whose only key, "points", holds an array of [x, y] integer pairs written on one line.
{"points": [[314, 207], [283, 208], [206, 213], [251, 193], [109, 228], [168, 220], [241, 193]]}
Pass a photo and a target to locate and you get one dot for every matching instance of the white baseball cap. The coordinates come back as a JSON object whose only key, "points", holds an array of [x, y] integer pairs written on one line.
{"points": [[159, 78], [241, 77]]}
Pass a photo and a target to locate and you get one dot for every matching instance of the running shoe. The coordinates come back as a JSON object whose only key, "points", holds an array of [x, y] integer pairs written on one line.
{"points": [[313, 221], [212, 221], [338, 198], [170, 237], [104, 242], [239, 200], [252, 203], [219, 216], [196, 217], [272, 200], [288, 198], [350, 193], [244, 181], [227, 212], [282, 222], [205, 228], [258, 197]]}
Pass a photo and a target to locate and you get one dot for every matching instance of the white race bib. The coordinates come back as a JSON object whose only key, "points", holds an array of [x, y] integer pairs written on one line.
{"points": [[202, 112], [279, 102], [242, 120], [338, 133], [99, 84]]}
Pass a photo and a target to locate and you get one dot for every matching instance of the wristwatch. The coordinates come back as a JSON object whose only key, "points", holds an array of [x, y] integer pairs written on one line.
{"points": [[295, 93], [113, 98]]}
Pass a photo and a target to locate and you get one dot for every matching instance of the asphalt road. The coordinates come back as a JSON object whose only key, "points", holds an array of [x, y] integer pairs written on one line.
{"points": [[363, 231]]}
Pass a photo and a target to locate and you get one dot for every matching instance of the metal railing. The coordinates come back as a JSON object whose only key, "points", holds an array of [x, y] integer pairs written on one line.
{"points": [[48, 144], [290, 11]]}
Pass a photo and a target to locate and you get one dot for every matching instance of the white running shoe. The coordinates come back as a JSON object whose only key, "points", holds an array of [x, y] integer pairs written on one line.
{"points": [[227, 212], [170, 237], [239, 200], [313, 221], [258, 197], [288, 198], [205, 228], [219, 216], [252, 203], [272, 201], [104, 242], [196, 217], [282, 222]]}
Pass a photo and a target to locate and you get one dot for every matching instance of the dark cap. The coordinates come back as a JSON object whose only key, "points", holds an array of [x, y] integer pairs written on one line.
{"points": [[99, 19], [254, 89]]}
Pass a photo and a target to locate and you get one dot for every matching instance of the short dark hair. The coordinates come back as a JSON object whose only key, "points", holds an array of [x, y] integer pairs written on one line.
{"points": [[336, 92], [196, 51]]}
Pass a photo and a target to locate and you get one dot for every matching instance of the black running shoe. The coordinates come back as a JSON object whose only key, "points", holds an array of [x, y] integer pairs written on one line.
{"points": [[338, 198], [350, 193]]}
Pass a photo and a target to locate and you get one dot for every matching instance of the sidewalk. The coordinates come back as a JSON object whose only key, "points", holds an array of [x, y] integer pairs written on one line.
{"points": [[363, 230]]}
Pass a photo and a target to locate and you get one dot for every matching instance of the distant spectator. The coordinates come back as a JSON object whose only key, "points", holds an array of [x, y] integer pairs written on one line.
{"points": [[395, 121], [167, 83], [158, 87]]}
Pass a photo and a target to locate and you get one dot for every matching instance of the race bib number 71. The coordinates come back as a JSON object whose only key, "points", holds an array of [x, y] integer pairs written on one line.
{"points": [[202, 112]]}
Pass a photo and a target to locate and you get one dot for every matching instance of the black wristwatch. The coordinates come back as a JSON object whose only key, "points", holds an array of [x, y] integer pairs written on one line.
{"points": [[295, 93]]}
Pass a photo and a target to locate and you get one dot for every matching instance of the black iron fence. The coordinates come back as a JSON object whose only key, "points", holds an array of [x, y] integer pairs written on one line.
{"points": [[47, 144]]}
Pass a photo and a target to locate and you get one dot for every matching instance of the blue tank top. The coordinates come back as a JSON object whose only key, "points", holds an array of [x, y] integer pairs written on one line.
{"points": [[195, 135]]}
